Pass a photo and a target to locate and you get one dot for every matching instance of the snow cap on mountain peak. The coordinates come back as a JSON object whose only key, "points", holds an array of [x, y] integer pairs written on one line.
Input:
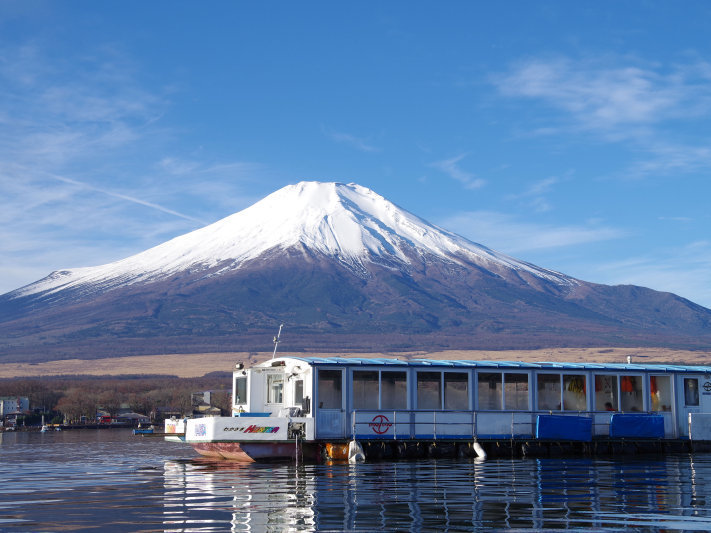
{"points": [[336, 218]]}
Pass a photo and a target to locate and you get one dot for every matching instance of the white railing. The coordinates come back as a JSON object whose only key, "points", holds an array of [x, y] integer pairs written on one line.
{"points": [[419, 424]]}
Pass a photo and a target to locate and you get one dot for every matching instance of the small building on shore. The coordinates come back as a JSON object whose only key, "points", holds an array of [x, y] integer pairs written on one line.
{"points": [[132, 418], [210, 403], [11, 407]]}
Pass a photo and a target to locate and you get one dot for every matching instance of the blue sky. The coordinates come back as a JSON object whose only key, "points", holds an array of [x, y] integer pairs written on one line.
{"points": [[574, 135]]}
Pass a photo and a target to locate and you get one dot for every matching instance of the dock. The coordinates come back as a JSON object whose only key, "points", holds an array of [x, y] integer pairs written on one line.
{"points": [[529, 448]]}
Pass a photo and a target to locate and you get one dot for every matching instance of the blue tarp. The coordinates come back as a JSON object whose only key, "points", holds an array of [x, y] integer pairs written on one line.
{"points": [[636, 425], [559, 427]]}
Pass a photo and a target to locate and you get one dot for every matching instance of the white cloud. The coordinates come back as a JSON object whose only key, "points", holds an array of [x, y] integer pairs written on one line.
{"points": [[505, 233], [603, 97], [60, 110], [453, 170], [77, 138], [351, 140], [177, 166], [535, 195], [677, 219], [668, 159], [685, 271], [623, 100], [128, 198]]}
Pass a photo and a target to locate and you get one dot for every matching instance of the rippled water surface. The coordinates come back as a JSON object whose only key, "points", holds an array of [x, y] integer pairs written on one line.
{"points": [[110, 480]]}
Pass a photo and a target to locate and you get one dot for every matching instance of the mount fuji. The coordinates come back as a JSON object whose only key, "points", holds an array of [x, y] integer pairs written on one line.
{"points": [[344, 269]]}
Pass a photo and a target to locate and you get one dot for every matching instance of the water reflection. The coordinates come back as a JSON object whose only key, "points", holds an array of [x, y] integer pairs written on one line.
{"points": [[113, 481], [258, 497], [659, 495]]}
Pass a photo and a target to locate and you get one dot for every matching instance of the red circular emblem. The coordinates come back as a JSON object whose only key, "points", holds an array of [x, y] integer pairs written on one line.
{"points": [[380, 424]]}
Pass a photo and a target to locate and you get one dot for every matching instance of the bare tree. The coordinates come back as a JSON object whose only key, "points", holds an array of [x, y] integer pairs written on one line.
{"points": [[77, 403], [142, 403], [110, 402], [223, 400]]}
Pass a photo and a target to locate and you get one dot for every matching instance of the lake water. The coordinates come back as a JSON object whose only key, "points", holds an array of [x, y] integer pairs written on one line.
{"points": [[110, 480]]}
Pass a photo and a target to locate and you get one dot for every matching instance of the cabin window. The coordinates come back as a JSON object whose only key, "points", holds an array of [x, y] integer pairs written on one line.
{"points": [[456, 391], [241, 390], [631, 393], [660, 393], [574, 392], [298, 392], [548, 392], [691, 392], [329, 389], [429, 394], [516, 391], [275, 388], [490, 391], [606, 393], [393, 388], [366, 390]]}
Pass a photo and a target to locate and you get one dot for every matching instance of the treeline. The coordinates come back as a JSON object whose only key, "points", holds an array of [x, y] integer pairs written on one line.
{"points": [[74, 397]]}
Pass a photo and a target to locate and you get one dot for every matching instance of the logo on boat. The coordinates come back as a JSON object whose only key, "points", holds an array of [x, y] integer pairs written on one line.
{"points": [[254, 429], [707, 386], [200, 430], [380, 424]]}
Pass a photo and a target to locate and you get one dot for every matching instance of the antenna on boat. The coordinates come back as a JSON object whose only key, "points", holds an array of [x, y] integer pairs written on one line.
{"points": [[276, 340]]}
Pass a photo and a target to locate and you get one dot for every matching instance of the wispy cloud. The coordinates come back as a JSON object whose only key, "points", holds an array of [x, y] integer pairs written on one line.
{"points": [[56, 111], [622, 100], [81, 173], [507, 234], [364, 145], [128, 198], [665, 158], [600, 97], [542, 186], [181, 166], [452, 168], [52, 224], [535, 195], [683, 270], [677, 219]]}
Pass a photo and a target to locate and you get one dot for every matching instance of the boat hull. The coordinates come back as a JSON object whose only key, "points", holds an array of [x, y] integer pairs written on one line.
{"points": [[250, 452]]}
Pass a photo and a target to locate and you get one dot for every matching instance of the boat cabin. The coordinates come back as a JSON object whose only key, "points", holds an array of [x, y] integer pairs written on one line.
{"points": [[344, 398]]}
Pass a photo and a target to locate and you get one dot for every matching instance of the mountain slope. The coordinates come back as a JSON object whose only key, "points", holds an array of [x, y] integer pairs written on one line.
{"points": [[345, 269]]}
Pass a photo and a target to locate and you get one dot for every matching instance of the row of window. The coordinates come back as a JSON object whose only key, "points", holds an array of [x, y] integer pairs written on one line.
{"points": [[386, 390], [373, 390]]}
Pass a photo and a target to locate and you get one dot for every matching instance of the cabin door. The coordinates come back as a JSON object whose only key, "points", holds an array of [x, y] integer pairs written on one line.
{"points": [[694, 396], [330, 414]]}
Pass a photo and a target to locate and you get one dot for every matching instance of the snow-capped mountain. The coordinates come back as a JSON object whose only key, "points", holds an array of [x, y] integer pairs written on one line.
{"points": [[344, 269], [349, 222]]}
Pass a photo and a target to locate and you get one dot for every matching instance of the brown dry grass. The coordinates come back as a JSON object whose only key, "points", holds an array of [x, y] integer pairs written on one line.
{"points": [[196, 365]]}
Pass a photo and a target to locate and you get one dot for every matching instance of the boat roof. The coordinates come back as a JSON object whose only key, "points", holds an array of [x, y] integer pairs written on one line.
{"points": [[499, 365]]}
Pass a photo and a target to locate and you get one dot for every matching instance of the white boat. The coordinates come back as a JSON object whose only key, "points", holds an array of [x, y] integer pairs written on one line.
{"points": [[312, 407]]}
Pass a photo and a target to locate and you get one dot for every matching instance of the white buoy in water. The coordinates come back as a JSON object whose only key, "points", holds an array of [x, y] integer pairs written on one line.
{"points": [[355, 452], [480, 453]]}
